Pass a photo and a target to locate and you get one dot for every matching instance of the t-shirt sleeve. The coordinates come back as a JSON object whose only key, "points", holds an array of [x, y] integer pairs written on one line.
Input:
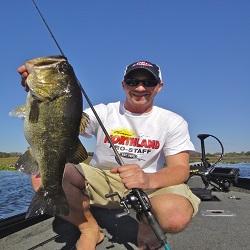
{"points": [[178, 138]]}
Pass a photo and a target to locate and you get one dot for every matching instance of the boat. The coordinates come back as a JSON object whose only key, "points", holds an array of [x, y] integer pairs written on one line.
{"points": [[223, 220]]}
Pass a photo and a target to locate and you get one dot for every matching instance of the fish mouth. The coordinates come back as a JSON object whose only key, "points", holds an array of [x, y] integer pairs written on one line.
{"points": [[41, 80], [45, 61]]}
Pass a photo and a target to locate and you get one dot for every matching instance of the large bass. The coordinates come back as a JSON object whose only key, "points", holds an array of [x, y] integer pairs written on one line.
{"points": [[53, 113]]}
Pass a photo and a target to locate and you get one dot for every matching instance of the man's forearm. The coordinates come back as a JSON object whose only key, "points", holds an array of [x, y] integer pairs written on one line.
{"points": [[168, 176]]}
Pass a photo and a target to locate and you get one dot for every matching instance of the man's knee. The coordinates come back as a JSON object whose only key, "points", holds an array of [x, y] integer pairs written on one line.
{"points": [[174, 212], [176, 223]]}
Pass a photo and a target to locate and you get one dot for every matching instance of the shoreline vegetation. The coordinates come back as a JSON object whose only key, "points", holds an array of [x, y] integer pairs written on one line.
{"points": [[8, 163]]}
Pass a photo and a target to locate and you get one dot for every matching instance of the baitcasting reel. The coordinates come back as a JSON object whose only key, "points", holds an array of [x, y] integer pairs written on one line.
{"points": [[136, 199]]}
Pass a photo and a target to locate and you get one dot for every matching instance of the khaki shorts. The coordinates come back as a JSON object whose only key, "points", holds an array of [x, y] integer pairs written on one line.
{"points": [[102, 182]]}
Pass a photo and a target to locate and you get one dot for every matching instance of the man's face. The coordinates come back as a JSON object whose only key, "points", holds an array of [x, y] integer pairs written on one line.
{"points": [[139, 99]]}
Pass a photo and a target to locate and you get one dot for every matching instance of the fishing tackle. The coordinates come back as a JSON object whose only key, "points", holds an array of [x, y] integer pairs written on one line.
{"points": [[136, 199]]}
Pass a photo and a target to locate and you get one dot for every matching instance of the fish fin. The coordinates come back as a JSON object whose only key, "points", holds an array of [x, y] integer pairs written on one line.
{"points": [[27, 164], [48, 202], [80, 153], [19, 112], [84, 123], [34, 111]]}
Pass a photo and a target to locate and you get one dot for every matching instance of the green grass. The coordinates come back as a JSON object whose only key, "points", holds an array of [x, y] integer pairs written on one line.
{"points": [[8, 160], [7, 167], [9, 163]]}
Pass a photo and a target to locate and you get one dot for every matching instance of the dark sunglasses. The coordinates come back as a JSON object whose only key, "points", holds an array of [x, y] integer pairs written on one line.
{"points": [[146, 83]]}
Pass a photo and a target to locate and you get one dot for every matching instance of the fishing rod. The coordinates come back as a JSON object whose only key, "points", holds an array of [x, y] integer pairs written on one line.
{"points": [[136, 199]]}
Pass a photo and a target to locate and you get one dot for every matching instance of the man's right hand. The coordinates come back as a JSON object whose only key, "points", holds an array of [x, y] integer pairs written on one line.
{"points": [[24, 74]]}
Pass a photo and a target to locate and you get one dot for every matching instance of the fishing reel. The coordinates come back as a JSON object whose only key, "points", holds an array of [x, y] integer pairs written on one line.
{"points": [[136, 200]]}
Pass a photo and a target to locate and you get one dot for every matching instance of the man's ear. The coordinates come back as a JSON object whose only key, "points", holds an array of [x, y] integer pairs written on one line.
{"points": [[160, 85], [123, 83]]}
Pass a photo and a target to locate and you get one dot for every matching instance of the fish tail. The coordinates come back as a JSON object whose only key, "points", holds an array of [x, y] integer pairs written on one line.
{"points": [[47, 202]]}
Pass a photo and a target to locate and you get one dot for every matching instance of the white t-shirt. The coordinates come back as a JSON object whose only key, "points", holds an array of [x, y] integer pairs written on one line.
{"points": [[145, 139]]}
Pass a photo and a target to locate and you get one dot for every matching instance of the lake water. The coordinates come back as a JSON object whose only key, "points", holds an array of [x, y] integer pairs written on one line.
{"points": [[16, 191]]}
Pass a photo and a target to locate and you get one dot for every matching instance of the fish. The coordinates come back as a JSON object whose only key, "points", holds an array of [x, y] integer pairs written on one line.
{"points": [[53, 117]]}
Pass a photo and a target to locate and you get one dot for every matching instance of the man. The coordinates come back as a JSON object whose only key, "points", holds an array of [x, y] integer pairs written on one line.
{"points": [[146, 136]]}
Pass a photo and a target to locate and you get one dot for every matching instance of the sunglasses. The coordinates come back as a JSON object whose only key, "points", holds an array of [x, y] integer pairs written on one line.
{"points": [[146, 83]]}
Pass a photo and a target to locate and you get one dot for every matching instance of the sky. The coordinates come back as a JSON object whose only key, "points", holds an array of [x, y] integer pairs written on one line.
{"points": [[202, 47]]}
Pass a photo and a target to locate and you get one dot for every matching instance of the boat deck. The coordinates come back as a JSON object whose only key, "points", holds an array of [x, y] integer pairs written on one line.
{"points": [[222, 223]]}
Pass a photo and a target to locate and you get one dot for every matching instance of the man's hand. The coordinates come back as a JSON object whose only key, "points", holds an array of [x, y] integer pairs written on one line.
{"points": [[176, 172], [132, 176], [24, 74]]}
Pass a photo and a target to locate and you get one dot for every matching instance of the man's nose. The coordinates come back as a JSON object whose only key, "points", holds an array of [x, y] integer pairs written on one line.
{"points": [[140, 87]]}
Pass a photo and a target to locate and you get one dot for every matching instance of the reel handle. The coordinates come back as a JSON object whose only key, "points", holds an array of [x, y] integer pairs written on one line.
{"points": [[123, 202]]}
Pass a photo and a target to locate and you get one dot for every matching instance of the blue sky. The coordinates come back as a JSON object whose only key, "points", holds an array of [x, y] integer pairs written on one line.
{"points": [[202, 47]]}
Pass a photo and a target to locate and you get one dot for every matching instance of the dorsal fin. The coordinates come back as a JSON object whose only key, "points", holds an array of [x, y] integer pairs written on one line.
{"points": [[80, 154], [84, 123]]}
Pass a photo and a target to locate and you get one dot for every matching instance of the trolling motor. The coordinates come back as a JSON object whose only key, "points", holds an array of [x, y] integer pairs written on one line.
{"points": [[220, 178]]}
